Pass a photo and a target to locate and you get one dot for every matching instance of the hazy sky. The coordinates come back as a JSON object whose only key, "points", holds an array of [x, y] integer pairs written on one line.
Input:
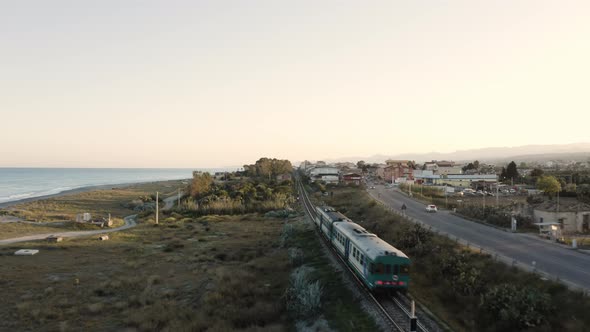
{"points": [[221, 83]]}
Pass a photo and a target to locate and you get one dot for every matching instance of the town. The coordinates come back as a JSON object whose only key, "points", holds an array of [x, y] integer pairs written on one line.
{"points": [[553, 196]]}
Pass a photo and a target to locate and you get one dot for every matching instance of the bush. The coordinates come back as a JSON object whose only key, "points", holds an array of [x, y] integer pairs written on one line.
{"points": [[286, 234], [509, 307], [296, 256], [304, 296]]}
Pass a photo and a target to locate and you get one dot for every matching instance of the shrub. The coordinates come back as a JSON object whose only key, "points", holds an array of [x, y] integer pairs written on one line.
{"points": [[296, 256], [510, 307], [304, 296], [286, 234]]}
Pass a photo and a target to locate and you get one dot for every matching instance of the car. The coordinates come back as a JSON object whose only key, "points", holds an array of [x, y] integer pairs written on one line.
{"points": [[372, 187], [431, 208]]}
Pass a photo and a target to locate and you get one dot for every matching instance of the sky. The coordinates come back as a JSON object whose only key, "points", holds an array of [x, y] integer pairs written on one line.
{"points": [[222, 83]]}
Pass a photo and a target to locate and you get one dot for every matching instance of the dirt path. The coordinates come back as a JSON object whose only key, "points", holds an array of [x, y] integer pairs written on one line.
{"points": [[129, 223]]}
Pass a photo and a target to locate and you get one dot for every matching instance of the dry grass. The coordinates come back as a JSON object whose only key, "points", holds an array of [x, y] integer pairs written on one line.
{"points": [[53, 211], [199, 275]]}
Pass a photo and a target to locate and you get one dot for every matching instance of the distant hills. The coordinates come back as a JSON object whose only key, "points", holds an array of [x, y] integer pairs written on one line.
{"points": [[526, 153]]}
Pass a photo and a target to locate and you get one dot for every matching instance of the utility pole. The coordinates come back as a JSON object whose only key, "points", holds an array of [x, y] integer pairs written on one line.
{"points": [[497, 193], [157, 203], [179, 197]]}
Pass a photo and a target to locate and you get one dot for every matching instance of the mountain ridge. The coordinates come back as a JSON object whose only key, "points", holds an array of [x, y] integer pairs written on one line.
{"points": [[534, 152]]}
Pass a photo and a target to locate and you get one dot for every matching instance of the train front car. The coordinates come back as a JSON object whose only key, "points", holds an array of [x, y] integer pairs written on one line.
{"points": [[378, 264]]}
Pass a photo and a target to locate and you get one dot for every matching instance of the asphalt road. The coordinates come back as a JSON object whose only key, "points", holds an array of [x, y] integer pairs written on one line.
{"points": [[557, 261]]}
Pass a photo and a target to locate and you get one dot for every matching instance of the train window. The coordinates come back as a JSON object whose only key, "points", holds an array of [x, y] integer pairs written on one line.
{"points": [[387, 269], [396, 269], [405, 269], [379, 268], [362, 259], [371, 268]]}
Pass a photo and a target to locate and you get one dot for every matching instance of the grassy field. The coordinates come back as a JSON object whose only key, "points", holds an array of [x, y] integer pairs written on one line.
{"points": [[453, 282], [340, 308], [209, 274], [57, 213]]}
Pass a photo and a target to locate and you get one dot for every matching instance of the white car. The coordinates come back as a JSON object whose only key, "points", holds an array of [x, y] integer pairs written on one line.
{"points": [[431, 208]]}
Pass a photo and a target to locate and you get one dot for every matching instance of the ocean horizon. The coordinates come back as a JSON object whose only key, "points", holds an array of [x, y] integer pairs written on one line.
{"points": [[28, 182]]}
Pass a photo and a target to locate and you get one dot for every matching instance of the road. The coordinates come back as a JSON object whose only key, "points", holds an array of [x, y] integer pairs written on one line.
{"points": [[569, 265], [130, 221]]}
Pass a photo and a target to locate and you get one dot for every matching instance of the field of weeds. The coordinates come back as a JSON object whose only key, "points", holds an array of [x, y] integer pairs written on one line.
{"points": [[58, 214], [98, 202], [206, 274]]}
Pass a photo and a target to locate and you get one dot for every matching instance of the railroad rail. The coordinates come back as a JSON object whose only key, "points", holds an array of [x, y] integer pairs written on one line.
{"points": [[394, 313]]}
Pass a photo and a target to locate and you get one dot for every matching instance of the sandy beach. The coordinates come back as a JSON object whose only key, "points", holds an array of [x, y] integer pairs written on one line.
{"points": [[76, 191]]}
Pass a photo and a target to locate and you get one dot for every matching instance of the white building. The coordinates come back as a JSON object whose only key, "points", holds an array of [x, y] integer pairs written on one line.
{"points": [[329, 175], [571, 215]]}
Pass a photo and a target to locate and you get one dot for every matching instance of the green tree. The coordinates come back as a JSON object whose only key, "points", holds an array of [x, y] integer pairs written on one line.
{"points": [[476, 164], [512, 171], [201, 184], [583, 192], [537, 172], [549, 184]]}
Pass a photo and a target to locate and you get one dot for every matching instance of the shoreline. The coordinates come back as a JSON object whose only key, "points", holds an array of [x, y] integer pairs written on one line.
{"points": [[74, 191]]}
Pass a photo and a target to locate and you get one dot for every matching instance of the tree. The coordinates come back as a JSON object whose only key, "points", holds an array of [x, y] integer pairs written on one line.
{"points": [[266, 168], [583, 192], [503, 175], [537, 172], [201, 184], [512, 171], [549, 184], [468, 167], [476, 164]]}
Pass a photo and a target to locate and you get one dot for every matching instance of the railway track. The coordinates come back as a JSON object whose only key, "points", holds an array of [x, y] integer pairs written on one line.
{"points": [[394, 309]]}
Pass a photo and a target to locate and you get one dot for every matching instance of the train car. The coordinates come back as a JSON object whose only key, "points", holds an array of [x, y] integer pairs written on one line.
{"points": [[326, 217], [378, 264]]}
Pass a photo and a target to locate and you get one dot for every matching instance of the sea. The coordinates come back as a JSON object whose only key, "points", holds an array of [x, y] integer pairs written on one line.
{"points": [[23, 183]]}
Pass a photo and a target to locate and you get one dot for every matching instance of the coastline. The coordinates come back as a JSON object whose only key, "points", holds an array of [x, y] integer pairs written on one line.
{"points": [[76, 191]]}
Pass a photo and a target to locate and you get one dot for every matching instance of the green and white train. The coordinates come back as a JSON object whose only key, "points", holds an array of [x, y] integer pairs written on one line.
{"points": [[377, 263]]}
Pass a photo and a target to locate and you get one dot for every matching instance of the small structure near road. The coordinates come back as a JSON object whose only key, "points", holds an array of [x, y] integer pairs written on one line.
{"points": [[87, 218], [103, 237], [571, 215], [26, 252], [54, 238]]}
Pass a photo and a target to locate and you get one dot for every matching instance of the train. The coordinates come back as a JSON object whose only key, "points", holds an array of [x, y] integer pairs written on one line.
{"points": [[379, 265]]}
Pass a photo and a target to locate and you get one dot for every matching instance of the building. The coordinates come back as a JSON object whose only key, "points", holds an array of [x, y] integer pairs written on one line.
{"points": [[467, 180], [425, 177], [398, 169], [329, 175], [352, 178], [572, 215]]}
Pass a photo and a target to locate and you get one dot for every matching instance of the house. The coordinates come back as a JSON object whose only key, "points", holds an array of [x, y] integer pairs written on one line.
{"points": [[572, 215], [352, 178], [398, 169]]}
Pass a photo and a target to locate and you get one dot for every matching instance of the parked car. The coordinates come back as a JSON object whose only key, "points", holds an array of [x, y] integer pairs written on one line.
{"points": [[431, 208]]}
